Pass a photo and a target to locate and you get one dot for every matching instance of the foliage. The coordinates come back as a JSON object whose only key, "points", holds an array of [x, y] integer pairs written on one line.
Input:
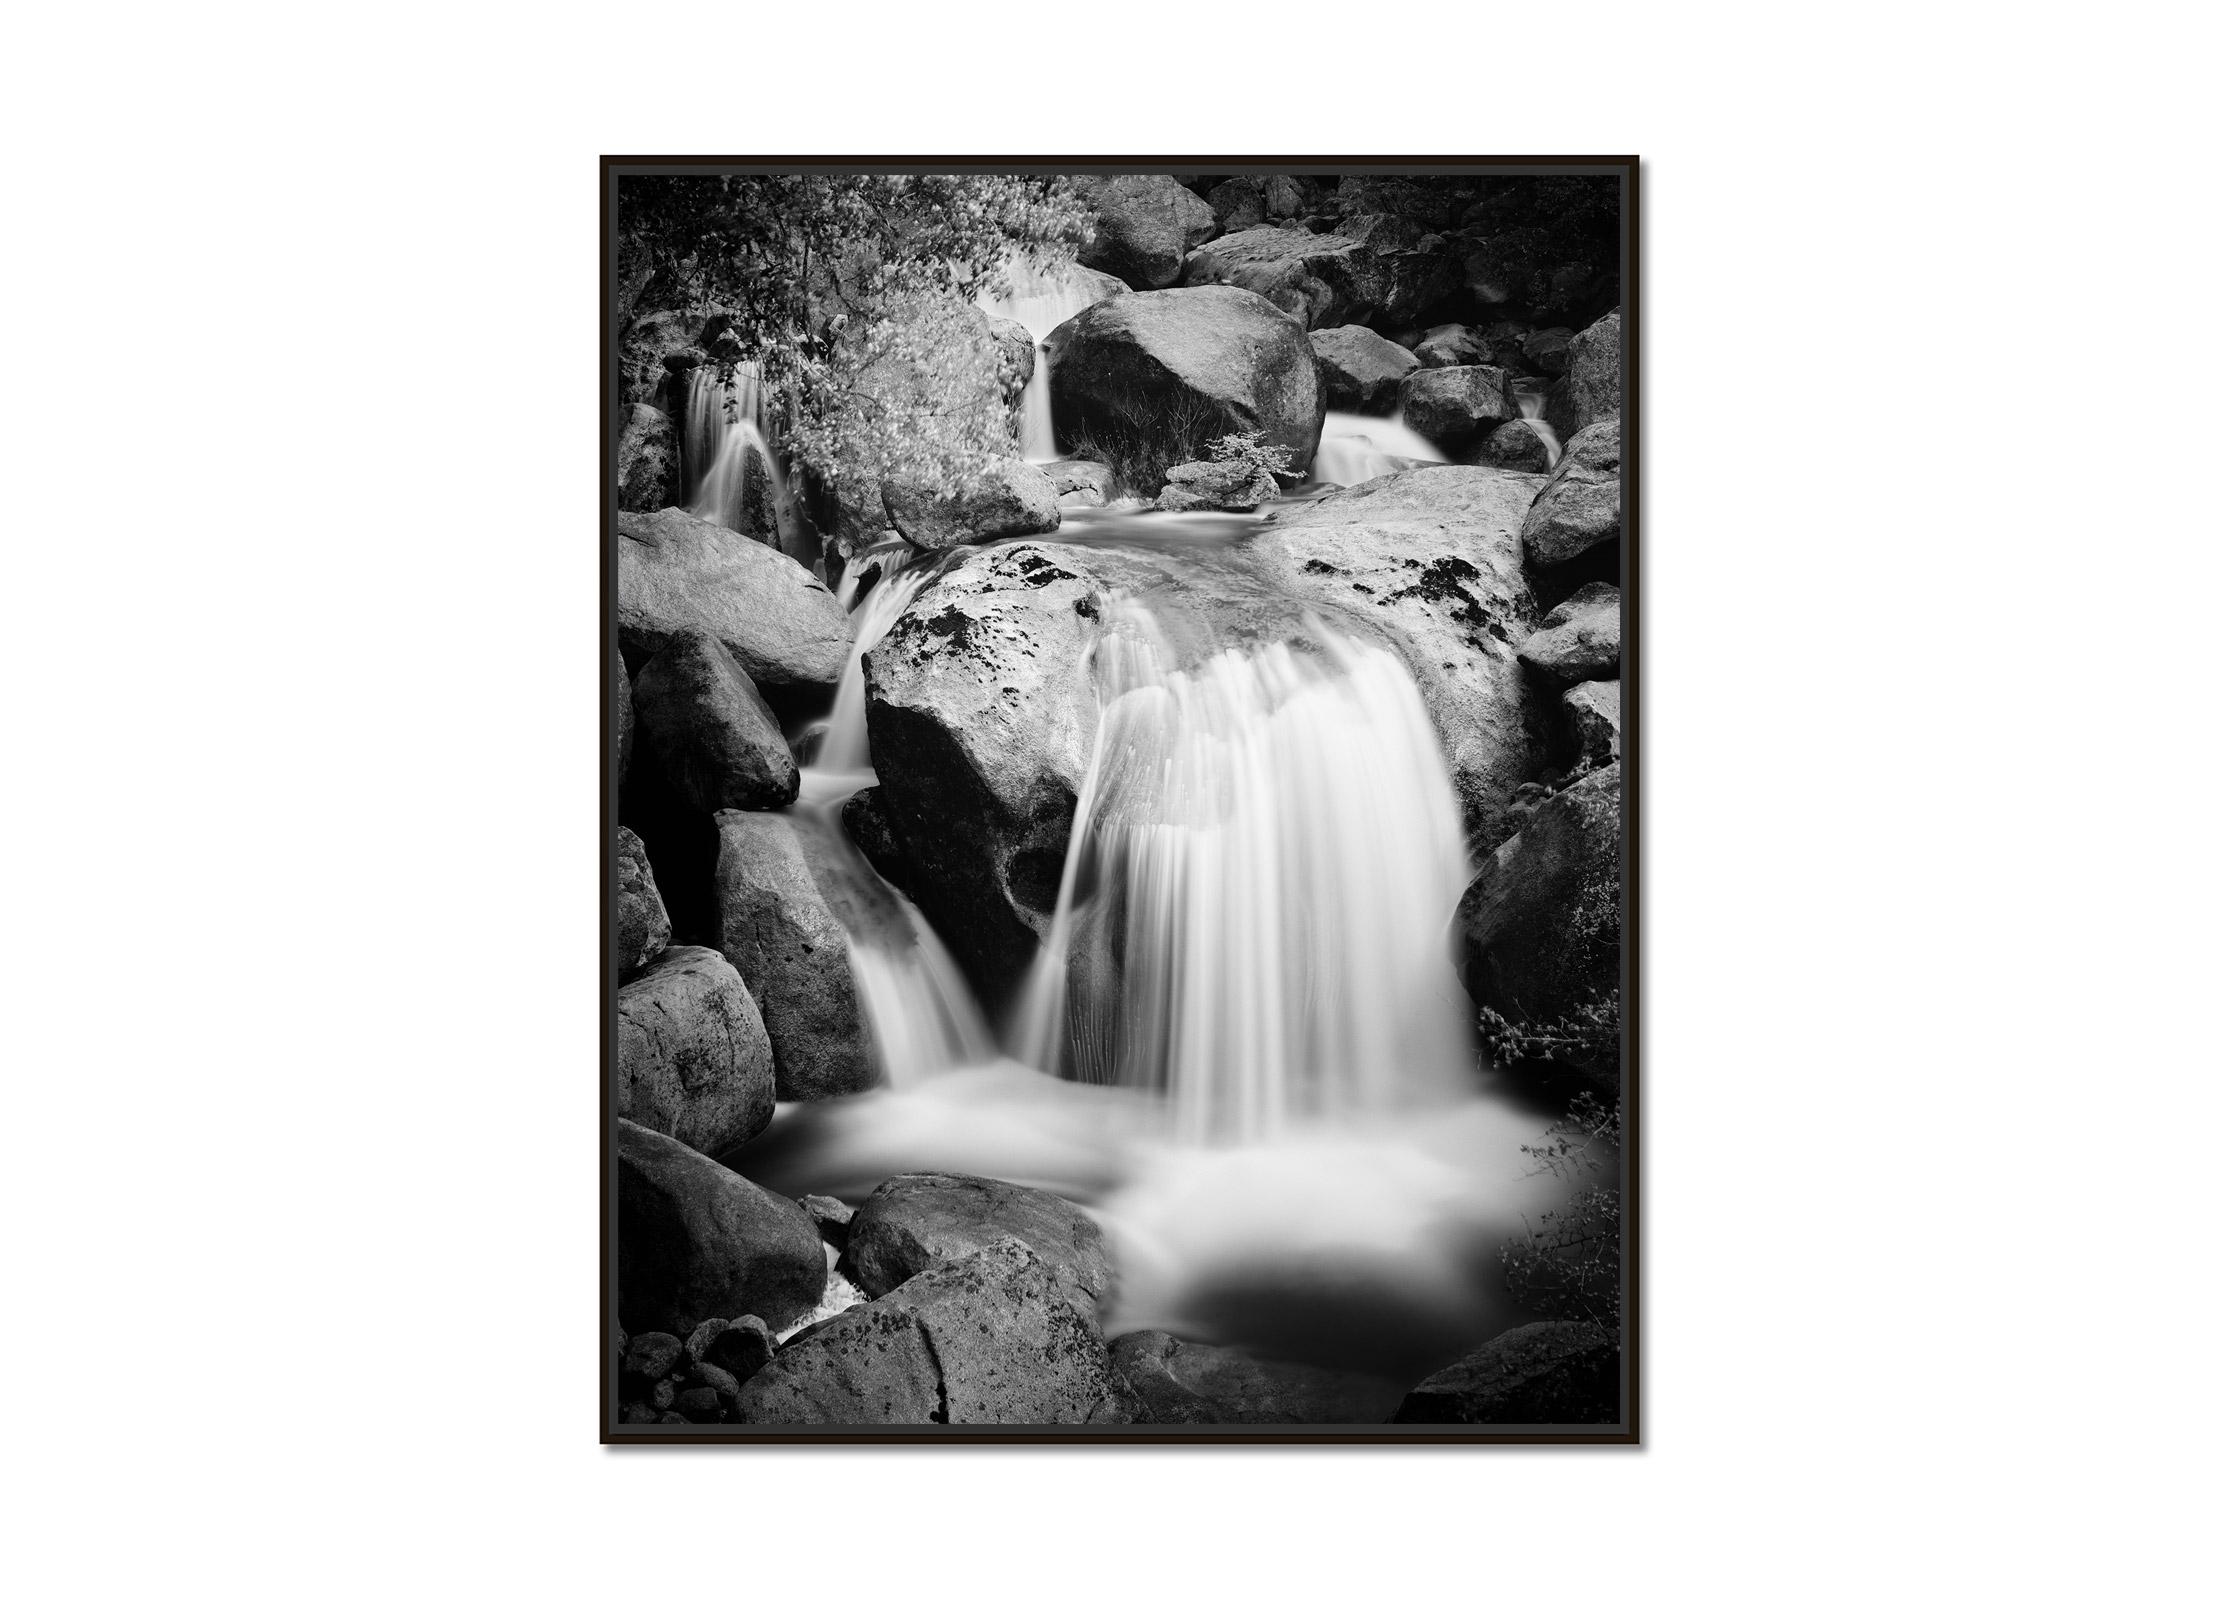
{"points": [[853, 292], [1248, 450], [1567, 1265], [1145, 437], [1584, 1040]]}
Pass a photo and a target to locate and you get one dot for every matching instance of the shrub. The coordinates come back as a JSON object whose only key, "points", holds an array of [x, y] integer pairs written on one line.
{"points": [[1566, 1268]]}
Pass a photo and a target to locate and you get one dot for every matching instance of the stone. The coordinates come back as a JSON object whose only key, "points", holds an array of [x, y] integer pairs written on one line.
{"points": [[1014, 499], [1433, 561], [647, 460], [992, 1338], [1286, 196], [664, 1396], [1549, 350], [1455, 407], [1181, 1381], [741, 1347], [673, 1418], [1361, 371], [1515, 446], [782, 934], [706, 731], [1120, 368], [675, 573], [1452, 345], [980, 720], [650, 1358], [1578, 639], [831, 1217], [641, 921], [1216, 486], [1539, 929], [625, 719], [700, 1405], [691, 1057], [1591, 390], [1579, 508], [697, 1341], [919, 1220], [1237, 203], [1145, 223], [725, 1384], [1593, 709], [638, 1414], [1081, 483], [1543, 1372], [1317, 280], [695, 1240]]}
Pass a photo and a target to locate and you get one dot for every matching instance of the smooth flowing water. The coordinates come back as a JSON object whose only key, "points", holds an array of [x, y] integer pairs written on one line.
{"points": [[1038, 302], [1356, 448], [1243, 1045], [1532, 404]]}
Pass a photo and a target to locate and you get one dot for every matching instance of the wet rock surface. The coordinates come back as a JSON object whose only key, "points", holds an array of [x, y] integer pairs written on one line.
{"points": [[1543, 1372], [696, 1240], [918, 1221]]}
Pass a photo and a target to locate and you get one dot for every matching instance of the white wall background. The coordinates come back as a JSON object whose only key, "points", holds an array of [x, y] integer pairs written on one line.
{"points": [[303, 437]]}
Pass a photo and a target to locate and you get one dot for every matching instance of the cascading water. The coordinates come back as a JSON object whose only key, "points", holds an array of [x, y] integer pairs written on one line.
{"points": [[1532, 403], [922, 1017], [1253, 913], [1356, 448], [1038, 303]]}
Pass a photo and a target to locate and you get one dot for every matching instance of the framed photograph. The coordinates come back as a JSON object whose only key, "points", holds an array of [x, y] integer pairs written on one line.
{"points": [[1120, 859]]}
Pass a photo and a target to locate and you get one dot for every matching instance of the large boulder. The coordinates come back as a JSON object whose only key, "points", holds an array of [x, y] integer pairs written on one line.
{"points": [[1081, 483], [1145, 224], [1317, 280], [919, 1220], [1433, 560], [1580, 638], [1238, 203], [647, 464], [992, 1338], [1361, 371], [1549, 350], [781, 933], [1540, 926], [1012, 500], [980, 721], [707, 732], [675, 573], [1455, 407], [1138, 362], [1543, 1372], [691, 1057], [1591, 390], [1579, 508], [695, 1240], [1182, 1381], [641, 921]]}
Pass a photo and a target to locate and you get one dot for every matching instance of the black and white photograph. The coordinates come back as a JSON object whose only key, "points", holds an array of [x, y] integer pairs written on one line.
{"points": [[1121, 741]]}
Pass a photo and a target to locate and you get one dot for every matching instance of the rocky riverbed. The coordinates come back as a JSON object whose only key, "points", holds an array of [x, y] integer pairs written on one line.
{"points": [[849, 1190]]}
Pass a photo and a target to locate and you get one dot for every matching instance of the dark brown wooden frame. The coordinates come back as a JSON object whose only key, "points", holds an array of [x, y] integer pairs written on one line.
{"points": [[1627, 169]]}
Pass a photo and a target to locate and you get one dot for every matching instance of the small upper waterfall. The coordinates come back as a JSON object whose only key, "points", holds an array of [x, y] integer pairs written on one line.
{"points": [[1532, 403], [1255, 899], [1355, 448], [1038, 303]]}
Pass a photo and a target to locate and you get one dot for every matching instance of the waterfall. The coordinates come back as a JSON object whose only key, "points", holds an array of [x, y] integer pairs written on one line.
{"points": [[709, 410], [846, 745], [1039, 303], [1532, 401], [1355, 448], [1253, 912], [921, 1013]]}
